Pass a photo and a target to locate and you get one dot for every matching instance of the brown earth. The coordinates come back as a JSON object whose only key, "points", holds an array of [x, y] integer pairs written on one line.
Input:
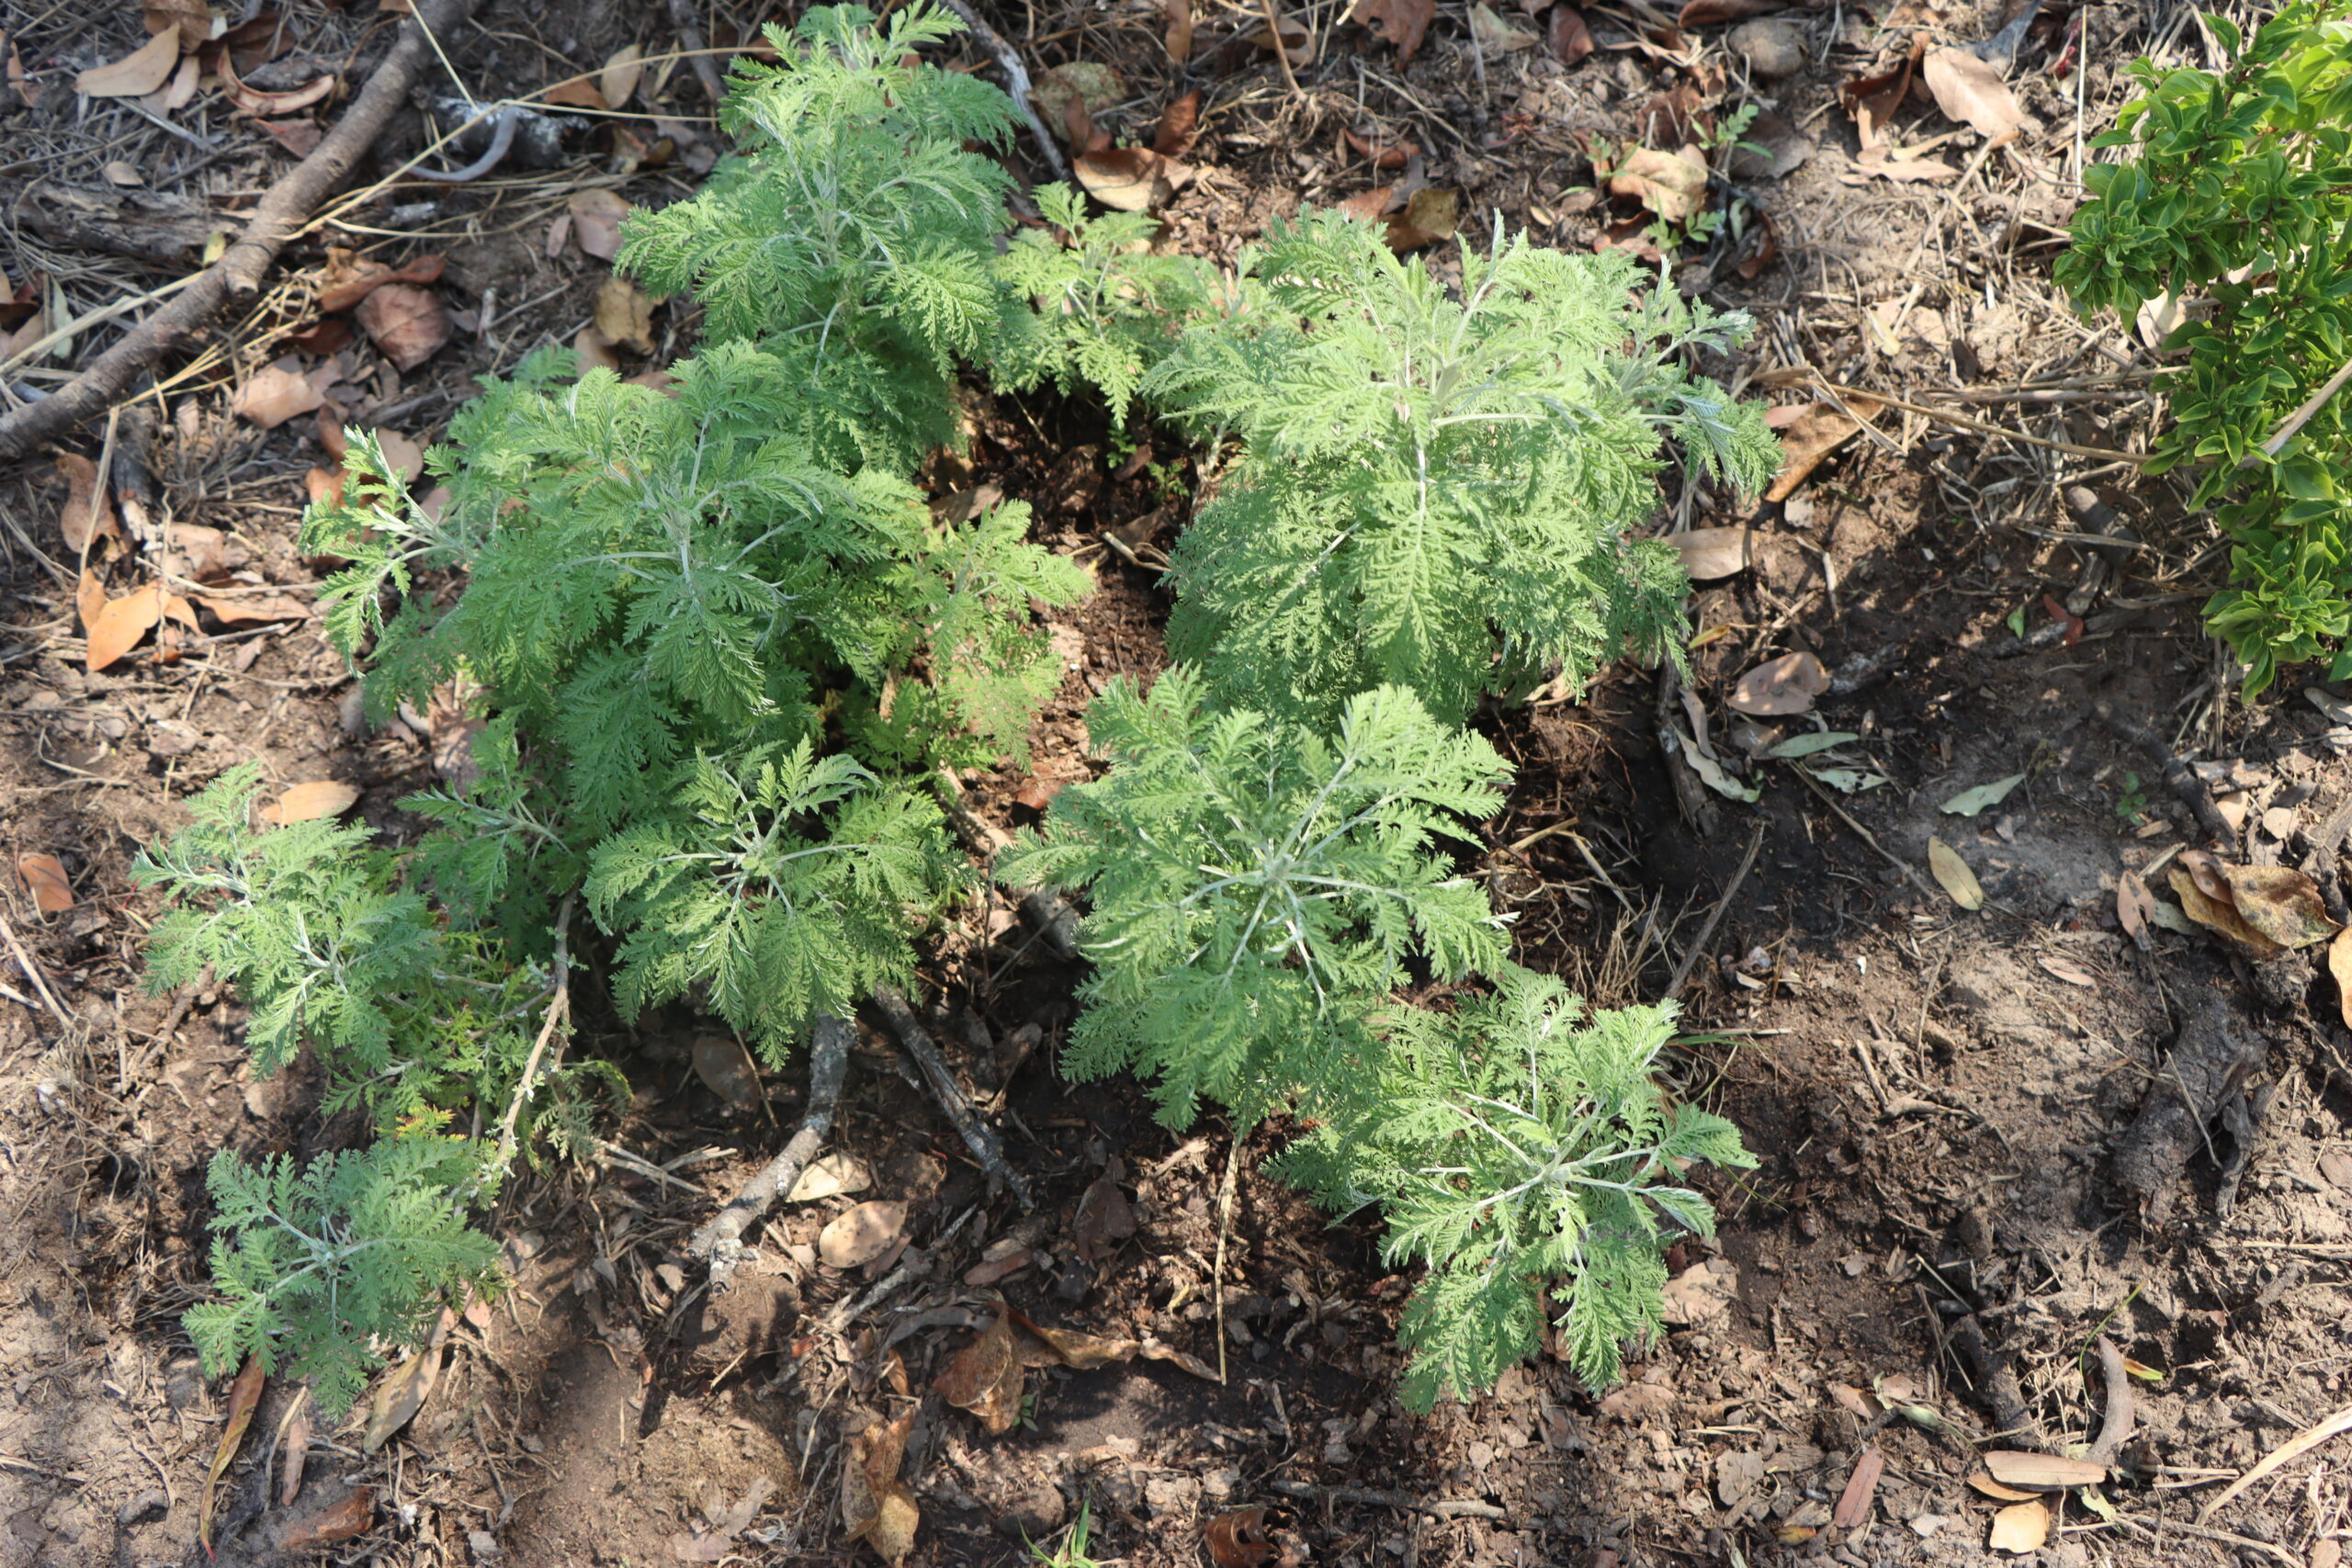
{"points": [[1938, 1097]]}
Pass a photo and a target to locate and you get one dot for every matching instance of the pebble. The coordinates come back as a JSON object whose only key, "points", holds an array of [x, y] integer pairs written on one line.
{"points": [[1773, 48]]}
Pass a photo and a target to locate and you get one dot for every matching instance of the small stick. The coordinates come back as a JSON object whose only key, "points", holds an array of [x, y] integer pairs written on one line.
{"points": [[978, 1135], [684, 22], [1707, 932], [2302, 417], [2283, 1455], [1944, 416], [32, 971], [1282, 56], [720, 1241], [2179, 777], [559, 1010], [1905, 867], [1016, 76], [2115, 1426], [1224, 1232], [1439, 1508]]}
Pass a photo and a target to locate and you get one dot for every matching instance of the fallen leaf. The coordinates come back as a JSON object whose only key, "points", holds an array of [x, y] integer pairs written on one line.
{"points": [[294, 1442], [1952, 875], [1404, 23], [727, 1069], [1672, 185], [1129, 179], [408, 324], [2020, 1527], [343, 1520], [860, 1235], [2073, 974], [1237, 1539], [830, 1176], [399, 1397], [1859, 1402], [245, 1394], [1570, 40], [1077, 85], [2041, 1473], [278, 391], [345, 292], [621, 73], [298, 137], [1780, 686], [1490, 31], [1367, 205], [1178, 37], [1817, 430], [1394, 156], [1983, 1482], [2280, 902], [1708, 13], [1700, 1293], [624, 314], [193, 19], [576, 96], [1711, 553], [1968, 802], [1105, 1217], [90, 599], [1291, 38], [596, 217], [117, 629], [2135, 906], [1862, 1486], [255, 102], [88, 515], [1711, 774], [1431, 214], [137, 74], [325, 486], [595, 351], [1179, 125], [310, 802], [1873, 100], [121, 174], [1882, 163], [44, 878], [2220, 915], [877, 1507], [2339, 966], [1971, 91], [983, 1377]]}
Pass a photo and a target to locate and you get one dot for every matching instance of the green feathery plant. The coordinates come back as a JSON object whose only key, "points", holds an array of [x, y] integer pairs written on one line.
{"points": [[2234, 202], [1519, 1148], [1258, 887], [1435, 489]]}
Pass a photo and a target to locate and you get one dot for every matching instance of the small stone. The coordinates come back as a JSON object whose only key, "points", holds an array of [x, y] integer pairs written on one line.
{"points": [[1772, 48]]}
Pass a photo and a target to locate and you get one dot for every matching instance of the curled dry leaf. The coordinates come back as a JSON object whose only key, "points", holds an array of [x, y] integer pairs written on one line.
{"points": [[624, 314], [87, 514], [136, 75], [877, 1507], [830, 1176], [621, 73], [1951, 874], [1971, 91], [1570, 40], [244, 1396], [1815, 432], [1873, 100], [726, 1069], [346, 1517], [1179, 126], [595, 351], [255, 102], [1672, 185], [408, 324], [1178, 37], [1129, 179], [1982, 1482], [1431, 214], [1394, 156], [2269, 909], [983, 1377], [597, 221], [2020, 1527], [308, 802], [281, 390], [1708, 13], [862, 1235], [1779, 687], [1237, 1539], [1708, 554], [44, 878], [344, 292], [399, 1397], [1404, 23]]}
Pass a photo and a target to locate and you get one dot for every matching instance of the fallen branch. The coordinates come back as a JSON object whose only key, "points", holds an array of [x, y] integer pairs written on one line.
{"points": [[1016, 78], [720, 1242], [978, 1135], [237, 275], [2179, 777], [1436, 1507]]}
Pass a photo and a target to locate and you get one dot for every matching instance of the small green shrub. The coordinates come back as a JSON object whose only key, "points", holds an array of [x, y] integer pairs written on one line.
{"points": [[2236, 198]]}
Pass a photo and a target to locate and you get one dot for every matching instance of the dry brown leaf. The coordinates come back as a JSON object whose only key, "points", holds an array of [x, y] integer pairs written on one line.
{"points": [[597, 221], [1873, 100], [344, 292], [1779, 687], [294, 1442], [301, 138], [1178, 37], [1431, 214], [1570, 40], [1492, 32], [877, 1507], [2073, 974], [325, 486], [2281, 903], [983, 1377], [1672, 185], [1708, 554], [194, 19], [2135, 907], [2339, 966], [90, 599], [1130, 179], [404, 457], [116, 629], [830, 1176], [2219, 915], [88, 515], [727, 1069], [1237, 1539], [621, 73], [624, 314], [1404, 23], [1105, 1218], [1816, 432], [1708, 13], [278, 391], [1983, 1482], [1951, 874], [1370, 204], [1395, 156], [245, 1394], [408, 324], [137, 74], [347, 1517], [1862, 1486], [308, 802], [2020, 1527], [1970, 91], [121, 174], [399, 1397], [255, 102], [595, 351], [862, 1235], [44, 878], [2041, 1473], [1179, 126]]}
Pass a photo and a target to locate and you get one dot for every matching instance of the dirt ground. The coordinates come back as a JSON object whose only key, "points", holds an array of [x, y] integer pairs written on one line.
{"points": [[1975, 1165]]}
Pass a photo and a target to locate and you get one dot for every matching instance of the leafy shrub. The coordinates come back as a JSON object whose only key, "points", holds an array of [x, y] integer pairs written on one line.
{"points": [[2236, 199], [1258, 887], [1518, 1147], [1435, 491]]}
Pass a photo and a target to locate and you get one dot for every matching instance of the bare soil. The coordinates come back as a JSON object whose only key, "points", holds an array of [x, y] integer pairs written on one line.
{"points": [[1937, 1095]]}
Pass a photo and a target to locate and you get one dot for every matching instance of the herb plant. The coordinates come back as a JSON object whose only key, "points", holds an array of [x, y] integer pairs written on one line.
{"points": [[2235, 201]]}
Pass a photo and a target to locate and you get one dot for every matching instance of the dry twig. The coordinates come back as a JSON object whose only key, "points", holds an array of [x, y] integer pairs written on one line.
{"points": [[720, 1242], [978, 1135]]}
